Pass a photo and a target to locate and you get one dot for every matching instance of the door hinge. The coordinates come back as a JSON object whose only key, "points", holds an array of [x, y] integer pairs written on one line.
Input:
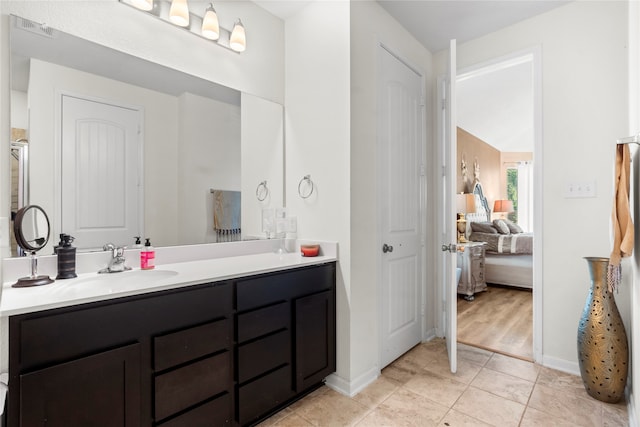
{"points": [[444, 170], [423, 170]]}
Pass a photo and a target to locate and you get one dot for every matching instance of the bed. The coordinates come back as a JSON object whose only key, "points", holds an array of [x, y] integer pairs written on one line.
{"points": [[509, 253]]}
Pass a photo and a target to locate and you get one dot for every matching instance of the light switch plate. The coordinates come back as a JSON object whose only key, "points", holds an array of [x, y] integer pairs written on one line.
{"points": [[580, 190]]}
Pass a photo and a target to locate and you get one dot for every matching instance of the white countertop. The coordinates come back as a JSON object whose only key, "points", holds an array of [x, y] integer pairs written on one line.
{"points": [[90, 287]]}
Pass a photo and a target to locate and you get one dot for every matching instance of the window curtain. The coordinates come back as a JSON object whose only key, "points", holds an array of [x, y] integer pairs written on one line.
{"points": [[525, 195]]}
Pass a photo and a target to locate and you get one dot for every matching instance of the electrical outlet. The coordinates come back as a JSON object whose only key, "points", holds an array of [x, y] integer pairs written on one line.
{"points": [[580, 190]]}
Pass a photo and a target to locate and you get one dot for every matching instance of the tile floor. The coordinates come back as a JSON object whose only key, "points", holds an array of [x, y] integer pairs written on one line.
{"points": [[489, 389]]}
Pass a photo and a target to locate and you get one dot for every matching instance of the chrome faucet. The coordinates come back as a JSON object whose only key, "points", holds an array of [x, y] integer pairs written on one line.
{"points": [[116, 263]]}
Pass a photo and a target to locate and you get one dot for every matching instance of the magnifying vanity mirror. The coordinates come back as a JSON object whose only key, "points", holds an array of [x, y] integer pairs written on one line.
{"points": [[32, 230], [173, 138]]}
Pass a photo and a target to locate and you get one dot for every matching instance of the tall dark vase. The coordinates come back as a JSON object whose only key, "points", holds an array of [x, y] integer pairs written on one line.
{"points": [[603, 352]]}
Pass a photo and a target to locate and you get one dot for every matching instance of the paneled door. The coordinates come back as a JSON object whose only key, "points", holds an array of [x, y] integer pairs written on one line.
{"points": [[401, 115], [447, 142], [100, 172]]}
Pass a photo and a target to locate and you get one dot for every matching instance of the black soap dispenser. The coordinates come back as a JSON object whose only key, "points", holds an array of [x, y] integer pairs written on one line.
{"points": [[66, 258]]}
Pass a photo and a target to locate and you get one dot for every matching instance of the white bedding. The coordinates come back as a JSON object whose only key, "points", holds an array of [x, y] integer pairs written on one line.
{"points": [[512, 270]]}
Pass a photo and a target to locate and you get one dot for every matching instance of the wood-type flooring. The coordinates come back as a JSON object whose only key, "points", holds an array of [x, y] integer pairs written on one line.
{"points": [[499, 320]]}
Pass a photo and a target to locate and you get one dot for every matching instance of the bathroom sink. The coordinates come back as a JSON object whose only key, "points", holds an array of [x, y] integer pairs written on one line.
{"points": [[132, 277]]}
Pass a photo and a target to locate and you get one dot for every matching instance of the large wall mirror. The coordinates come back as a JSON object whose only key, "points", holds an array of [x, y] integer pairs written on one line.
{"points": [[156, 143]]}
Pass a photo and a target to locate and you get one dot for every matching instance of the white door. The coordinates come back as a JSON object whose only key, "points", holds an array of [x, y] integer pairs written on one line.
{"points": [[100, 172], [446, 221], [400, 142]]}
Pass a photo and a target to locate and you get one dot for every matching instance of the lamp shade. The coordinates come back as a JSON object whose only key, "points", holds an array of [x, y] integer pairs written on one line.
{"points": [[210, 26], [465, 203], [503, 206], [143, 4], [179, 13], [238, 40]]}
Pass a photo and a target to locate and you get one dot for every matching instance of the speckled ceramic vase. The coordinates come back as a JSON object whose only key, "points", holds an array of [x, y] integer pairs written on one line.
{"points": [[603, 353]]}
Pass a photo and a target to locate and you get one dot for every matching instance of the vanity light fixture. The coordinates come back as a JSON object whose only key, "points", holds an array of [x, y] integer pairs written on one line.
{"points": [[205, 25], [210, 25], [143, 4], [238, 40], [179, 13]]}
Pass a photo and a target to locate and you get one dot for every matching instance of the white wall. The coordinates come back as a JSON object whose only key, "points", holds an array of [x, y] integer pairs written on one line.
{"points": [[317, 140], [19, 113], [262, 159], [208, 158], [584, 76]]}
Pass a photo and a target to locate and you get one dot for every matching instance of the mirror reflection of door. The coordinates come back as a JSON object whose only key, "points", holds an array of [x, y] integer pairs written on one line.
{"points": [[19, 179], [101, 186]]}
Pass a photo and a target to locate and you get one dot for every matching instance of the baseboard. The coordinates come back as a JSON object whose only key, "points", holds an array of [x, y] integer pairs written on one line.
{"points": [[351, 388], [429, 335], [561, 365], [631, 410]]}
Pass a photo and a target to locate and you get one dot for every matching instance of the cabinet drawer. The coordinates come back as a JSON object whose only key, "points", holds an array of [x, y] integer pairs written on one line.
{"points": [[191, 384], [263, 321], [273, 288], [215, 413], [260, 356], [264, 394], [189, 344]]}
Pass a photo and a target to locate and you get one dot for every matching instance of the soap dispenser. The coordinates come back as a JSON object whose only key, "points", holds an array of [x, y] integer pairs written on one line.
{"points": [[66, 258], [147, 256]]}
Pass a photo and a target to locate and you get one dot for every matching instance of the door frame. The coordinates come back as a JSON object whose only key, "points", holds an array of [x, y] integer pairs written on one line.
{"points": [[422, 205], [535, 54], [56, 223]]}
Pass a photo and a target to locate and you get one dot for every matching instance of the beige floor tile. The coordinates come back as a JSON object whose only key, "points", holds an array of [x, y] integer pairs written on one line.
{"points": [[516, 367], [412, 409], [615, 415], [584, 412], [458, 419], [309, 397], [534, 418], [331, 409], [383, 417], [399, 374], [376, 392], [293, 420], [444, 391], [465, 373], [562, 381], [475, 355], [489, 408], [503, 385], [275, 418]]}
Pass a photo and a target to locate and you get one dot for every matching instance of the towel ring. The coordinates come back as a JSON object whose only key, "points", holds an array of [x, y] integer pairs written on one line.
{"points": [[306, 179], [262, 191]]}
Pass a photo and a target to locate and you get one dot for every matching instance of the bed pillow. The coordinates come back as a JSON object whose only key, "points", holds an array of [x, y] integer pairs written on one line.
{"points": [[513, 227], [483, 227], [501, 226]]}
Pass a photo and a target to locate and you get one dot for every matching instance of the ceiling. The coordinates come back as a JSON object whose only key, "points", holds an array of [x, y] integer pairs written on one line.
{"points": [[496, 107]]}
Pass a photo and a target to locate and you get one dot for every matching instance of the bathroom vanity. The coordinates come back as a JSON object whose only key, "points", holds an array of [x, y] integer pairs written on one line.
{"points": [[186, 351]]}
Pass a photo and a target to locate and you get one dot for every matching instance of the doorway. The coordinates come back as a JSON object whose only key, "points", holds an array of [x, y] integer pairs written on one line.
{"points": [[499, 109]]}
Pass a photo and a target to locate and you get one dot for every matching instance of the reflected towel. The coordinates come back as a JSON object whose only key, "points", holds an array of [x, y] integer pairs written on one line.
{"points": [[620, 217]]}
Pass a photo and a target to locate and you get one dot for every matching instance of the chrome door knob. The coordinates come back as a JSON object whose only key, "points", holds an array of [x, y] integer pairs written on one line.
{"points": [[450, 248], [387, 248]]}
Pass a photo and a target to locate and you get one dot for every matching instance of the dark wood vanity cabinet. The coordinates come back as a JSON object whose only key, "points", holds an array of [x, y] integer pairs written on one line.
{"points": [[219, 354]]}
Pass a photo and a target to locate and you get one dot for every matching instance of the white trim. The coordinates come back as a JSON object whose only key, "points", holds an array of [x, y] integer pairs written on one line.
{"points": [[631, 410], [533, 54], [561, 365], [351, 388], [430, 335]]}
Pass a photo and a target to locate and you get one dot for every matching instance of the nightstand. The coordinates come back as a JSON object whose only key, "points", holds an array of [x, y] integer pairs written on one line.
{"points": [[471, 261]]}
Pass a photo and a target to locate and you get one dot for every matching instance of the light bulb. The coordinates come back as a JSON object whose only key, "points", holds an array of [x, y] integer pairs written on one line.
{"points": [[179, 13], [238, 41], [143, 4], [210, 26]]}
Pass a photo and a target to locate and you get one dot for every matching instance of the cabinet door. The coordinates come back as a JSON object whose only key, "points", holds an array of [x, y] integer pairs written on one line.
{"points": [[314, 338], [102, 390]]}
